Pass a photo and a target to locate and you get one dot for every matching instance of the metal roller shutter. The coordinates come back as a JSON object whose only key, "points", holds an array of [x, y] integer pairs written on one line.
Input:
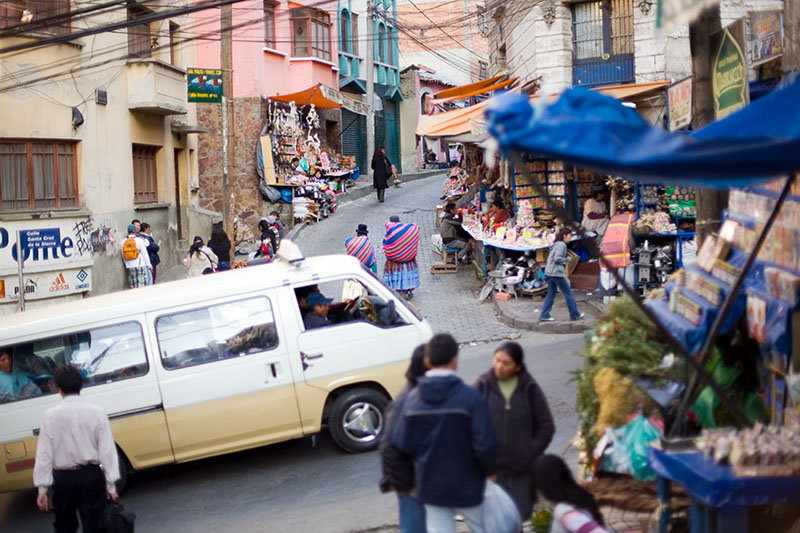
{"points": [[354, 141]]}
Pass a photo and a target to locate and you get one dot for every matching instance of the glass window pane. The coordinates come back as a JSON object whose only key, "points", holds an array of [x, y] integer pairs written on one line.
{"points": [[300, 33], [216, 333], [103, 355]]}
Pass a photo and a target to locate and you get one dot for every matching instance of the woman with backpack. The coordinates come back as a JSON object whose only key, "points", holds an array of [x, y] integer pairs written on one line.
{"points": [[270, 240], [523, 422], [201, 260]]}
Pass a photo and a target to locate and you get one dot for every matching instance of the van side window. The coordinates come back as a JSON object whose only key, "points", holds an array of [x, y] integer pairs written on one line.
{"points": [[216, 332], [103, 355], [352, 302]]}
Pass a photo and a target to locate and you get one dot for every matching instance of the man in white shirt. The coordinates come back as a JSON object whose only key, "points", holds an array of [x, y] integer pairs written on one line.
{"points": [[76, 456], [137, 264]]}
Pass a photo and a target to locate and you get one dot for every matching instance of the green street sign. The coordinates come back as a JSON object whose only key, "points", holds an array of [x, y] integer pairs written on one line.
{"points": [[204, 85], [729, 77]]}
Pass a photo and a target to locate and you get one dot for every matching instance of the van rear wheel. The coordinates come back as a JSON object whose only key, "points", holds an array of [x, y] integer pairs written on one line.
{"points": [[356, 420]]}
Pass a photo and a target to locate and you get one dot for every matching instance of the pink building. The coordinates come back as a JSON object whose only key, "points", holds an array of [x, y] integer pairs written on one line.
{"points": [[279, 48]]}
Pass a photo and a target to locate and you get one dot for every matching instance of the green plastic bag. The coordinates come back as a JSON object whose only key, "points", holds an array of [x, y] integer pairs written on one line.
{"points": [[639, 433]]}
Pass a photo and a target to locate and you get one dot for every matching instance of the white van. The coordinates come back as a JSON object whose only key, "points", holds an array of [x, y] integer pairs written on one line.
{"points": [[214, 364]]}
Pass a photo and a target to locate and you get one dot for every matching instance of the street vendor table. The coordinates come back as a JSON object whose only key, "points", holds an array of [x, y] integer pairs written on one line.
{"points": [[487, 244], [719, 499]]}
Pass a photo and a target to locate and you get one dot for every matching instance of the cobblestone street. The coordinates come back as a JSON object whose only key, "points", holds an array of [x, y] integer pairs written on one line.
{"points": [[448, 301]]}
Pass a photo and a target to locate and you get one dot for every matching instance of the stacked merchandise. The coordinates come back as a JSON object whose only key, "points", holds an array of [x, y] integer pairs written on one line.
{"points": [[681, 201], [755, 452]]}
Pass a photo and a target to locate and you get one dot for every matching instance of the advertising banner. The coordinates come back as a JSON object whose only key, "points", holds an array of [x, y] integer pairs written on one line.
{"points": [[51, 284], [766, 36], [204, 85]]}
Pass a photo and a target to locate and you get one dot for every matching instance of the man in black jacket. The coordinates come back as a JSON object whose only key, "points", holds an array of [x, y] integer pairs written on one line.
{"points": [[446, 429]]}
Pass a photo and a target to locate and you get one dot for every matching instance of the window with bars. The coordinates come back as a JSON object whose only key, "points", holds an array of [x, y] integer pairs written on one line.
{"points": [[11, 14], [145, 177], [269, 23], [603, 42], [318, 23], [139, 35], [37, 175], [483, 70]]}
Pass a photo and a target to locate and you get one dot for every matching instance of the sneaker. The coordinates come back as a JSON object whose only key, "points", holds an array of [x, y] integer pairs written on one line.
{"points": [[548, 319], [579, 317]]}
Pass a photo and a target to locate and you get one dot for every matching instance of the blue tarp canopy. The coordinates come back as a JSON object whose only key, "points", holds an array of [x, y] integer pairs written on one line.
{"points": [[597, 132]]}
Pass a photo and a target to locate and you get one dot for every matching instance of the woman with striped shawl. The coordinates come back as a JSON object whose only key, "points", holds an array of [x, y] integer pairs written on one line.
{"points": [[400, 247], [361, 248]]}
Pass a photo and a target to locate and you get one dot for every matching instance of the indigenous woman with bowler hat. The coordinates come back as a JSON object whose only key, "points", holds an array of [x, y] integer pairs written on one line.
{"points": [[361, 248]]}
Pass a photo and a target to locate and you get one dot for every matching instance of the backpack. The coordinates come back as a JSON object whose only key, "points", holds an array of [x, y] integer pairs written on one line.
{"points": [[129, 249]]}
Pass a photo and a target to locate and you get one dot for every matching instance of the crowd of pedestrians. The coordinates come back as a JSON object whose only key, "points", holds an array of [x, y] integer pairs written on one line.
{"points": [[444, 439]]}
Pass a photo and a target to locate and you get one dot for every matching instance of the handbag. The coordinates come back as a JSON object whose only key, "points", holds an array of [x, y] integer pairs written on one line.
{"points": [[116, 519]]}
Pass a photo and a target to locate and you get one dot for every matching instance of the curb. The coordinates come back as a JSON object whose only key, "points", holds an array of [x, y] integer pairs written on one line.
{"points": [[362, 189], [515, 321]]}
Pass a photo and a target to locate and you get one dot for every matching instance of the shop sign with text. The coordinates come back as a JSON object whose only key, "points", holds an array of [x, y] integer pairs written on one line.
{"points": [[729, 77], [46, 244], [204, 85], [679, 102]]}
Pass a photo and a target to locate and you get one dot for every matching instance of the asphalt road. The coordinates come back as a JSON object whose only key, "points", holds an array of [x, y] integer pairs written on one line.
{"points": [[294, 486], [304, 486]]}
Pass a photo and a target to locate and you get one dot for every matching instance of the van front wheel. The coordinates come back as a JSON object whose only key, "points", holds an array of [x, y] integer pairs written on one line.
{"points": [[356, 419]]}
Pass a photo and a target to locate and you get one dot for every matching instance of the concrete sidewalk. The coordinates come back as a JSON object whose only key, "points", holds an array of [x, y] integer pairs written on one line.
{"points": [[523, 313]]}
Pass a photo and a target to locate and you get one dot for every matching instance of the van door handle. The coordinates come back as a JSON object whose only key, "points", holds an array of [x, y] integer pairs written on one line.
{"points": [[313, 356], [273, 368]]}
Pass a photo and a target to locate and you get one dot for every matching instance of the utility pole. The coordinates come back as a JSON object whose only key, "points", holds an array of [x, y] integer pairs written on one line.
{"points": [[226, 62], [370, 85], [710, 202]]}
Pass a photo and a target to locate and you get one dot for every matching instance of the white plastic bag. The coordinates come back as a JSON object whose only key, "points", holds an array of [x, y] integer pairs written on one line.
{"points": [[500, 514]]}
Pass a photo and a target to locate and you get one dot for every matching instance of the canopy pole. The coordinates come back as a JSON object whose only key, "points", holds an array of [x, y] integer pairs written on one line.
{"points": [[591, 244], [711, 338]]}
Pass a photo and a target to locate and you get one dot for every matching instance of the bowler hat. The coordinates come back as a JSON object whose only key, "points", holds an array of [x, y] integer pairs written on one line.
{"points": [[361, 229], [316, 298]]}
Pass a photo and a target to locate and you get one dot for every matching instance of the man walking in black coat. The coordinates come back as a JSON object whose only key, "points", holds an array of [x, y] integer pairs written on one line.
{"points": [[445, 428]]}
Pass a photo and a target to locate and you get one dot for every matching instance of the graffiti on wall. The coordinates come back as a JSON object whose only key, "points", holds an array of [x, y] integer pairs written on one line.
{"points": [[91, 239]]}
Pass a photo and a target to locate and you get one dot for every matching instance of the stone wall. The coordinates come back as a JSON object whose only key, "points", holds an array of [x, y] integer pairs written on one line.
{"points": [[246, 202]]}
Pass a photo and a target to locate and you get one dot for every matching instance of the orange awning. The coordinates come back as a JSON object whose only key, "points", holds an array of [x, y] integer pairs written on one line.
{"points": [[620, 92], [454, 122], [322, 96], [457, 121], [496, 86], [463, 89]]}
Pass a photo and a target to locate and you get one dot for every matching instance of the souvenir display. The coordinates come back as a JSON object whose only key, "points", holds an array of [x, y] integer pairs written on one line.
{"points": [[713, 248], [755, 452], [688, 309], [782, 285], [724, 271], [704, 287], [756, 317]]}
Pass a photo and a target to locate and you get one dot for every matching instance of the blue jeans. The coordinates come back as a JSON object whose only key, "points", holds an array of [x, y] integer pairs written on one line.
{"points": [[561, 284], [412, 514]]}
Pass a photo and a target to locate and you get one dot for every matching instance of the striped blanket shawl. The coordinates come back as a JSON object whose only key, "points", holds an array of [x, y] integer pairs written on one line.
{"points": [[400, 242], [361, 248]]}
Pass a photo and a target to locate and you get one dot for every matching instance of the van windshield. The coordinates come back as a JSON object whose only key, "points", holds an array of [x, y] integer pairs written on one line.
{"points": [[401, 300]]}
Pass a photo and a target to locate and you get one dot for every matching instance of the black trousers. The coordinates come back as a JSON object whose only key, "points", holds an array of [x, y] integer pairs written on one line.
{"points": [[82, 490]]}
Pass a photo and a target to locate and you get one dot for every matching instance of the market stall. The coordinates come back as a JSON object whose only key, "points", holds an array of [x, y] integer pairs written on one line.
{"points": [[294, 165], [719, 343]]}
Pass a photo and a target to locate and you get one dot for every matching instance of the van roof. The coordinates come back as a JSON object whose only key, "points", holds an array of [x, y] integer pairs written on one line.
{"points": [[197, 289]]}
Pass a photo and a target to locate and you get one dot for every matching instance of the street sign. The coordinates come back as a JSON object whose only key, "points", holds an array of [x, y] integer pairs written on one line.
{"points": [[729, 77], [40, 238], [204, 85]]}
